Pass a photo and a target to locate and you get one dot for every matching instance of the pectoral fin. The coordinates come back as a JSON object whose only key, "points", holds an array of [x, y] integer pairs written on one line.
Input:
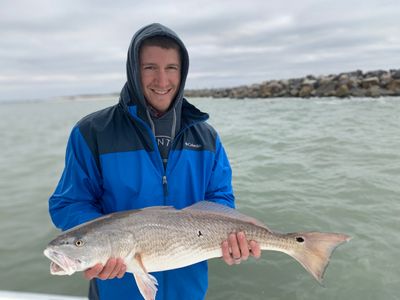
{"points": [[146, 282]]}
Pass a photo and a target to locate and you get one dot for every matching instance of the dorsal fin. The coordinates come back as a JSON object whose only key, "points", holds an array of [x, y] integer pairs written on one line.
{"points": [[159, 208], [219, 209]]}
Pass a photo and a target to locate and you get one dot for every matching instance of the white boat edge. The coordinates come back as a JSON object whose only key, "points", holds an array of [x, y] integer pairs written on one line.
{"points": [[10, 295]]}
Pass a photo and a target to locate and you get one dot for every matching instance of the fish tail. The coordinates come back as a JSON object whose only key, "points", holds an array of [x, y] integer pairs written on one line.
{"points": [[314, 249]]}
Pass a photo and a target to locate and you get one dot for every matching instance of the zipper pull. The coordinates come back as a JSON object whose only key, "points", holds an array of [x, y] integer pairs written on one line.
{"points": [[165, 185]]}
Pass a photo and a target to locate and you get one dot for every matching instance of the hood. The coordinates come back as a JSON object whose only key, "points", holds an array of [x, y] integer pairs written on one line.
{"points": [[132, 93]]}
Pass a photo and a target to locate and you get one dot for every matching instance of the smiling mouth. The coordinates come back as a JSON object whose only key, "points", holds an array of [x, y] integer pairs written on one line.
{"points": [[160, 92]]}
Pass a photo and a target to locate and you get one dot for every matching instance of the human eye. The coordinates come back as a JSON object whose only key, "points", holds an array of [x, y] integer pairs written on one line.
{"points": [[149, 67], [173, 67]]}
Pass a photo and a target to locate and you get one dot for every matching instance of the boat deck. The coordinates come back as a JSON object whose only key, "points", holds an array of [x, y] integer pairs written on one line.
{"points": [[10, 295]]}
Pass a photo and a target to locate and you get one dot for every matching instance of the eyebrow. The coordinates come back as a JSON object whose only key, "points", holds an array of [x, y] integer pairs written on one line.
{"points": [[154, 64], [174, 65]]}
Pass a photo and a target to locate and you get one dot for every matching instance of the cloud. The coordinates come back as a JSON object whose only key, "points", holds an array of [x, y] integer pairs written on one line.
{"points": [[51, 48]]}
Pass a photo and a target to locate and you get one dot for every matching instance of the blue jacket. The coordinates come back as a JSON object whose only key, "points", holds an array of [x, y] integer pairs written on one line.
{"points": [[113, 164]]}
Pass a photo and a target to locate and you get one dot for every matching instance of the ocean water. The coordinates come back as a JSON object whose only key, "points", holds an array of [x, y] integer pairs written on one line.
{"points": [[298, 165]]}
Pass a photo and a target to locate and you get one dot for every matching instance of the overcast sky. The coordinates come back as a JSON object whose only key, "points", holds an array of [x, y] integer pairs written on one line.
{"points": [[52, 48]]}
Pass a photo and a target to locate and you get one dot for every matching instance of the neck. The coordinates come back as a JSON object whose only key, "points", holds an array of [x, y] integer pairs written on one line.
{"points": [[154, 112]]}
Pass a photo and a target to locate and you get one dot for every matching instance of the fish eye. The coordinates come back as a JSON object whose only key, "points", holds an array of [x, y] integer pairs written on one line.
{"points": [[79, 243]]}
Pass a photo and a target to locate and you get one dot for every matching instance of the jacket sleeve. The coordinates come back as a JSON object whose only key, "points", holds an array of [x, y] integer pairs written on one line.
{"points": [[76, 197], [219, 188]]}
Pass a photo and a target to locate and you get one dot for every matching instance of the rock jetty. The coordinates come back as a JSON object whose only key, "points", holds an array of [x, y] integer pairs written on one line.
{"points": [[351, 84]]}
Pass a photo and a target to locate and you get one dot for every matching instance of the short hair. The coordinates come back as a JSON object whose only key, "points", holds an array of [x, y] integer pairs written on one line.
{"points": [[162, 42]]}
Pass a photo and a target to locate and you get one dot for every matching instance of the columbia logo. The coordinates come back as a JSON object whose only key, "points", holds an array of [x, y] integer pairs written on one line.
{"points": [[190, 145]]}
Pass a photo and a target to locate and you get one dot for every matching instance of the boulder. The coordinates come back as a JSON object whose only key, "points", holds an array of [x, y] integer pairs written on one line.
{"points": [[325, 79], [253, 94], [395, 74], [385, 79], [294, 92], [353, 82], [342, 91], [370, 81], [373, 84], [222, 93], [326, 89], [310, 82], [265, 91], [374, 91], [357, 92], [343, 77], [377, 73], [357, 73], [394, 86], [306, 91], [275, 87]]}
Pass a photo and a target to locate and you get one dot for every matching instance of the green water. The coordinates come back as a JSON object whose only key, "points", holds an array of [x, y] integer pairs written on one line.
{"points": [[327, 165]]}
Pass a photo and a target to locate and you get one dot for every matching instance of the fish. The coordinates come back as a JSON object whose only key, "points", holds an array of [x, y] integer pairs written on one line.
{"points": [[161, 238]]}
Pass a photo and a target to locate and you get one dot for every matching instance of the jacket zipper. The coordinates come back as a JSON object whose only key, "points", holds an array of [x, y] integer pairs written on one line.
{"points": [[164, 181], [165, 185], [164, 177]]}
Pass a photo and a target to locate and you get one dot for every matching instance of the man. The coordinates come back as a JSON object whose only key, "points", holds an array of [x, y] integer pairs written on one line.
{"points": [[152, 148]]}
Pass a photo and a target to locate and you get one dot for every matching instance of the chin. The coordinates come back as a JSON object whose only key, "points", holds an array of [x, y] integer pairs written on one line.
{"points": [[161, 106]]}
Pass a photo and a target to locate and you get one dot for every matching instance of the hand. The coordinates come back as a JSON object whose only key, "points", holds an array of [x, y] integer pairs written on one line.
{"points": [[236, 248], [114, 267]]}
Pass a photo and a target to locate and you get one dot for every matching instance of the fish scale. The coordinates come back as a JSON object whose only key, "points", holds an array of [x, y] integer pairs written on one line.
{"points": [[178, 228]]}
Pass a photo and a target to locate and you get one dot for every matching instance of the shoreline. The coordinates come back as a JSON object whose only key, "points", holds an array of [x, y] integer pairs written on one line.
{"points": [[354, 84], [344, 85]]}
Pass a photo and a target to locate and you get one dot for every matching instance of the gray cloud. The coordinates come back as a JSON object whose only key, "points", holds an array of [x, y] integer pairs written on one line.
{"points": [[51, 48]]}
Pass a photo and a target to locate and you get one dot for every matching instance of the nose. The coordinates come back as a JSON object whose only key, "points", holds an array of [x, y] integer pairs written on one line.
{"points": [[162, 78]]}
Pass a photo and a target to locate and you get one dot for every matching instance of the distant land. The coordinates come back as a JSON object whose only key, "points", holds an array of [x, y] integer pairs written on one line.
{"points": [[350, 84], [379, 83]]}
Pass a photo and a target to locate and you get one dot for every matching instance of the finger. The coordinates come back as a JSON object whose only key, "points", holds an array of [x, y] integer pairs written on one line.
{"points": [[233, 244], [118, 265], [226, 255], [108, 268], [243, 245], [93, 272], [255, 249], [122, 271]]}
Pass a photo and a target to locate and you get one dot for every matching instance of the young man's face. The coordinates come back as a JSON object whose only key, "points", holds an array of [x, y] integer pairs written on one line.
{"points": [[160, 74]]}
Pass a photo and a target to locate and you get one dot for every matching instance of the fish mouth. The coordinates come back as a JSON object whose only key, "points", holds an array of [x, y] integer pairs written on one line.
{"points": [[61, 264]]}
